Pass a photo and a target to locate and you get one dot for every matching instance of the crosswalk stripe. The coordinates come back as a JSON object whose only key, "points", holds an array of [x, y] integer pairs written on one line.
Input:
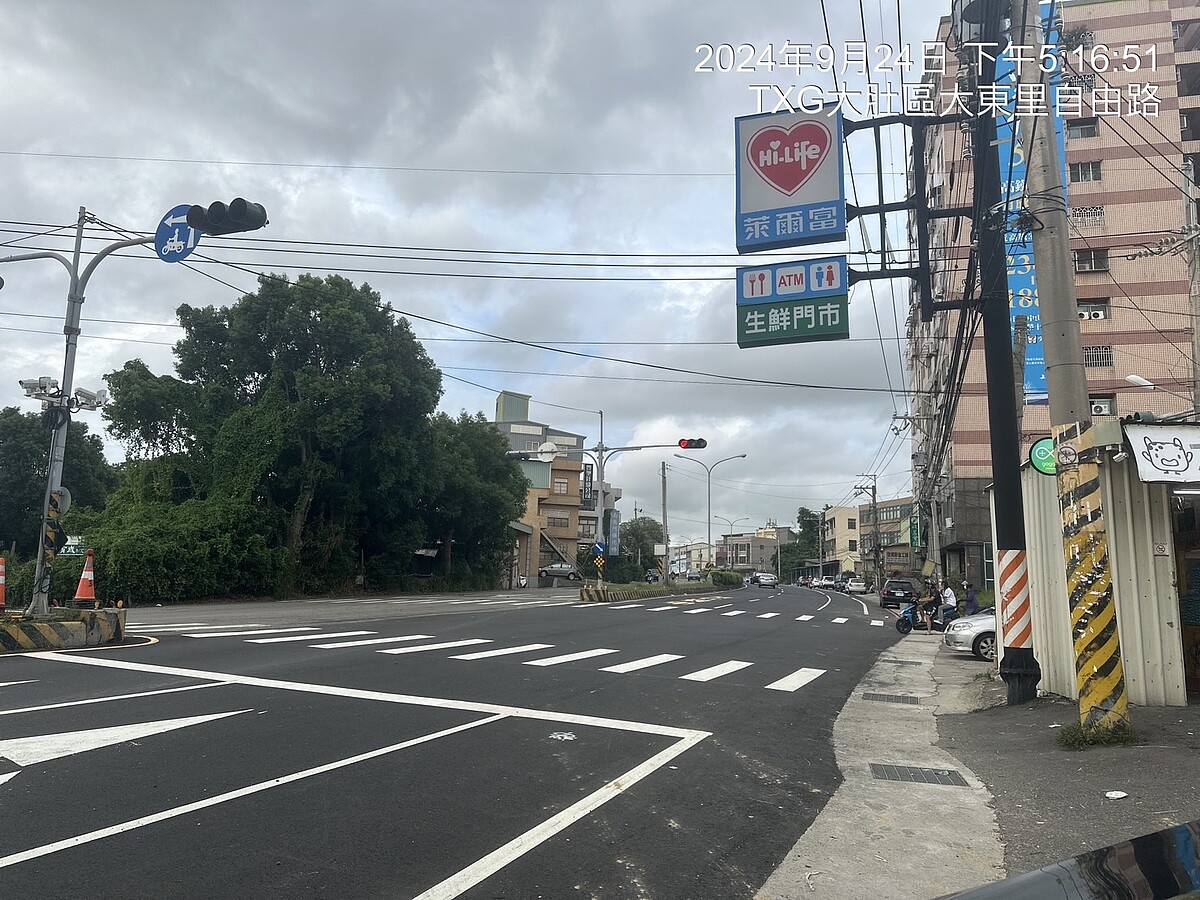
{"points": [[503, 651], [803, 618], [212, 634], [628, 606], [582, 605], [736, 612], [839, 620], [569, 657], [796, 680], [643, 663], [370, 641], [767, 616], [444, 645], [308, 637], [692, 612], [135, 627], [712, 672], [659, 608], [878, 622]]}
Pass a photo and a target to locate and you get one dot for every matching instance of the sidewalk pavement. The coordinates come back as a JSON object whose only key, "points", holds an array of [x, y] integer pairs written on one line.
{"points": [[1024, 802]]}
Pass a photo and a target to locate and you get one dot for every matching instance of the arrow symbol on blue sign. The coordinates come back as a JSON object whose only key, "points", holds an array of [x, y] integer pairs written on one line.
{"points": [[175, 220]]}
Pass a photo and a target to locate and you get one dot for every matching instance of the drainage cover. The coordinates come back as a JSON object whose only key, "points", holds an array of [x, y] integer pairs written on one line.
{"points": [[901, 662], [918, 776], [893, 698]]}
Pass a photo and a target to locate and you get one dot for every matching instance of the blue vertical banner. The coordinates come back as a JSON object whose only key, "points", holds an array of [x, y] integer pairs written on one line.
{"points": [[1018, 240]]}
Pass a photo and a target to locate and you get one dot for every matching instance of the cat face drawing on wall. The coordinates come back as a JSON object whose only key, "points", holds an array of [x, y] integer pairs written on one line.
{"points": [[1167, 456]]}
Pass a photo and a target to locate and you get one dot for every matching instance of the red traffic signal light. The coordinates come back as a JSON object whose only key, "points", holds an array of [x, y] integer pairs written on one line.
{"points": [[239, 215], [692, 443]]}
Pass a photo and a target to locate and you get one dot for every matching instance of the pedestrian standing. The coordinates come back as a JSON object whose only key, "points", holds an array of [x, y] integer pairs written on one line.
{"points": [[972, 599], [949, 600]]}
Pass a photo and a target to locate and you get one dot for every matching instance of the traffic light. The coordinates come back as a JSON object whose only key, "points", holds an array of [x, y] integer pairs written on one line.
{"points": [[239, 215], [692, 443]]}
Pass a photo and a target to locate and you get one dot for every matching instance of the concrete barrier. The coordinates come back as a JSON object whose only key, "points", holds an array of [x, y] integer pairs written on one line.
{"points": [[81, 628]]}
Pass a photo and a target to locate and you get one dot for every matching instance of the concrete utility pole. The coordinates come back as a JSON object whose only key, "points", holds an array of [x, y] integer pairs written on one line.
{"points": [[876, 550], [1019, 668], [1099, 676], [1191, 228], [666, 538]]}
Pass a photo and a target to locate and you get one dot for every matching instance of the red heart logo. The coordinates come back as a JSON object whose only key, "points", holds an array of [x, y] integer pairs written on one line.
{"points": [[785, 158]]}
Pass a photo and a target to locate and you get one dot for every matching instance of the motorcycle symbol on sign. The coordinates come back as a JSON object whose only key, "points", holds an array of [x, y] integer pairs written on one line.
{"points": [[173, 244]]}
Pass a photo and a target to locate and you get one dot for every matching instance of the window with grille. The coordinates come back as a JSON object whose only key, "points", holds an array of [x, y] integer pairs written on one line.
{"points": [[1087, 216], [1097, 357], [850, 523], [558, 522], [1081, 128], [1086, 82], [1085, 171], [560, 485], [1091, 260], [853, 546]]}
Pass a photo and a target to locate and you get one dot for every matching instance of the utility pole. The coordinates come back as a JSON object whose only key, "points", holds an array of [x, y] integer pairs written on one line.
{"points": [[666, 538], [1099, 676], [876, 550], [1019, 668], [1191, 230]]}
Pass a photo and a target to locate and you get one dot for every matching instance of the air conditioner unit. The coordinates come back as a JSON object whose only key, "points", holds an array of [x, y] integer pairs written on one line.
{"points": [[1083, 314], [1102, 407], [1098, 314], [949, 523]]}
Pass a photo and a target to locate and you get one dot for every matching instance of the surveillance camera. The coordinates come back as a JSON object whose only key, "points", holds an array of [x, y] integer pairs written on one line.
{"points": [[84, 396], [29, 385]]}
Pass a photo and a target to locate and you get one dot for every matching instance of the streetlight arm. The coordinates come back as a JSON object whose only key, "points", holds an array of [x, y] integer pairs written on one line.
{"points": [[44, 254]]}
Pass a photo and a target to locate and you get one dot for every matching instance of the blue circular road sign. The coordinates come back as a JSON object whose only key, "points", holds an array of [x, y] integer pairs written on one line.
{"points": [[175, 240]]}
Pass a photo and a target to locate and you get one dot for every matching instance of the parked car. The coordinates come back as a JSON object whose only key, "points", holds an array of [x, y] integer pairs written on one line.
{"points": [[974, 633], [827, 581], [856, 586], [694, 576], [766, 579], [898, 592], [560, 570]]}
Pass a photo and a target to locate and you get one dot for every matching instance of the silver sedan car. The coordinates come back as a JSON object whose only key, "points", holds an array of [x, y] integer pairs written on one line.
{"points": [[974, 633]]}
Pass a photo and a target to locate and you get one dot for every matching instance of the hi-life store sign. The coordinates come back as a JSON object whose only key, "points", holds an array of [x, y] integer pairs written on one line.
{"points": [[791, 193]]}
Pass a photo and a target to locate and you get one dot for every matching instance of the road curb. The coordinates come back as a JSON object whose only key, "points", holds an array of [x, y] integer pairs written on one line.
{"points": [[879, 835], [87, 628]]}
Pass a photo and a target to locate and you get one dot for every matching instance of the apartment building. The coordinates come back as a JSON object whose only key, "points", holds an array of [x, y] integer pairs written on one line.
{"points": [[840, 540], [1129, 180], [886, 539]]}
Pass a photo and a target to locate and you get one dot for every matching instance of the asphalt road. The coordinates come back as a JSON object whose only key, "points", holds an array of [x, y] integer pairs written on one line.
{"points": [[508, 745]]}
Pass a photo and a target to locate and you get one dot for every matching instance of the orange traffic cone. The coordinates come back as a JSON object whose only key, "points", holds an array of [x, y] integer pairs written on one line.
{"points": [[1, 584], [85, 594]]}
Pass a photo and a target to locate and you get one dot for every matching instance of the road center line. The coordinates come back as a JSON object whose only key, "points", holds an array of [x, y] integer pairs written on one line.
{"points": [[828, 600], [866, 612]]}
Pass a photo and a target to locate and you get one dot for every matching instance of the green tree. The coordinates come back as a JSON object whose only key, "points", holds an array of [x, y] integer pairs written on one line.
{"points": [[309, 402], [24, 454]]}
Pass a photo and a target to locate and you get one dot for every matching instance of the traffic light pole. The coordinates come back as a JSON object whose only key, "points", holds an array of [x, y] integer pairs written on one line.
{"points": [[40, 605]]}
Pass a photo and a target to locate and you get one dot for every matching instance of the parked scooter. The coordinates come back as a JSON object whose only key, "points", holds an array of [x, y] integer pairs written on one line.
{"points": [[910, 618]]}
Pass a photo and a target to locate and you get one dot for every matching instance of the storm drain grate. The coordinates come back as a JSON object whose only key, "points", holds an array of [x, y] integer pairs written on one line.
{"points": [[948, 777], [901, 662], [893, 698]]}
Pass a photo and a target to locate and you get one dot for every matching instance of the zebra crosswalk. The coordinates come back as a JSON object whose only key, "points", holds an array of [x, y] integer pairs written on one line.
{"points": [[538, 655]]}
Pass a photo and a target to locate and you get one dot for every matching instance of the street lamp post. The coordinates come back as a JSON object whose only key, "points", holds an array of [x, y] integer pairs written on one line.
{"points": [[730, 523], [708, 471], [1147, 383]]}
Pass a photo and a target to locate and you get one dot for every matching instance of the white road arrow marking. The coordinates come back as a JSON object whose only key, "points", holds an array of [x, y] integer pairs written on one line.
{"points": [[42, 747], [175, 220], [11, 683], [4, 778]]}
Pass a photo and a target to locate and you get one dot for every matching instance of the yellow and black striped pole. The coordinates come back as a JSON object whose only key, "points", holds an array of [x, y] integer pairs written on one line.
{"points": [[1099, 674]]}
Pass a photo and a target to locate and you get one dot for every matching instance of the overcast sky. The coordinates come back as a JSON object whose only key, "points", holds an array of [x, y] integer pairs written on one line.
{"points": [[472, 132]]}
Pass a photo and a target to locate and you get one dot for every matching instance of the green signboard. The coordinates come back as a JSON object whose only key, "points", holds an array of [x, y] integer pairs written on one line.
{"points": [[914, 532], [1041, 456], [793, 321]]}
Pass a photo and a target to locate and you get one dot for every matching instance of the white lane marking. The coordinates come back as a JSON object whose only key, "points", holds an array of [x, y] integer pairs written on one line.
{"points": [[213, 634], [628, 606], [132, 625], [735, 612], [39, 748], [839, 621], [878, 622], [722, 606], [569, 657], [659, 608], [717, 671], [4, 778], [755, 599], [462, 881], [11, 683], [866, 612], [158, 629], [803, 618], [372, 641], [503, 651], [828, 600], [767, 616], [113, 830], [692, 612], [581, 605], [308, 637], [796, 680], [190, 687], [642, 663], [444, 645]]}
